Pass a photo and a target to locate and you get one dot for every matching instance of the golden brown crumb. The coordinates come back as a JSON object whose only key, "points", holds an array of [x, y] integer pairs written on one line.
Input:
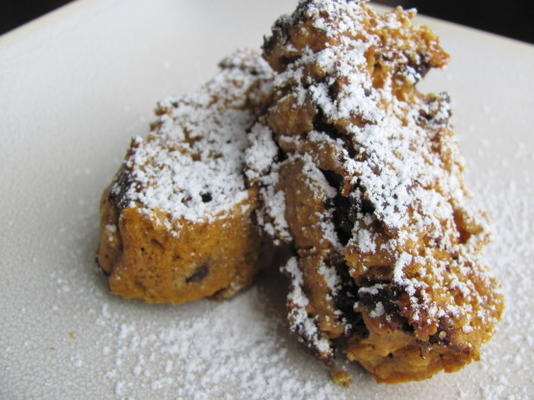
{"points": [[340, 377]]}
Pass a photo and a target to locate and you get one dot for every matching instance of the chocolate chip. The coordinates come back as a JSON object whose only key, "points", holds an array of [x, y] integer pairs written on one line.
{"points": [[206, 197], [367, 207], [335, 180], [344, 217], [200, 273]]}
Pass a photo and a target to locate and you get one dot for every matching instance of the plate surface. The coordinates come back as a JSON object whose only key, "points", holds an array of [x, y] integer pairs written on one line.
{"points": [[77, 84]]}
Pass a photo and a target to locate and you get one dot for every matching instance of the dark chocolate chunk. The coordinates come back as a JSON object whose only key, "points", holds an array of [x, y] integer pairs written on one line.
{"points": [[206, 197], [200, 273]]}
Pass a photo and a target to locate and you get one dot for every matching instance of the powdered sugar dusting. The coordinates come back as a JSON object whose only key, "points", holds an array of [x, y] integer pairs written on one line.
{"points": [[217, 354], [238, 348], [190, 166], [346, 90], [331, 277], [300, 320], [262, 171]]}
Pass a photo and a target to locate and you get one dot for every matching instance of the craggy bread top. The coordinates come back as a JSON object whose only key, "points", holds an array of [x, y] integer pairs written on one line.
{"points": [[346, 104], [191, 165]]}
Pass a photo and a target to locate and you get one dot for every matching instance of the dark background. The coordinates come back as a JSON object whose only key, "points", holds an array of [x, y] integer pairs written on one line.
{"points": [[514, 18]]}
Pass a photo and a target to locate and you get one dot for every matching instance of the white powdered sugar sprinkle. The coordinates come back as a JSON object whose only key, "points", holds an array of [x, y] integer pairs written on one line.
{"points": [[262, 170], [300, 321], [191, 165]]}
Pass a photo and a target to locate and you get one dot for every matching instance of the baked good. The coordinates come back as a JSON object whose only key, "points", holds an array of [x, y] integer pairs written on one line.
{"points": [[354, 177], [176, 222], [387, 267]]}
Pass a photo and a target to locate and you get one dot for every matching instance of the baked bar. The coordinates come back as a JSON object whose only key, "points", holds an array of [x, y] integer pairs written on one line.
{"points": [[388, 265], [176, 222]]}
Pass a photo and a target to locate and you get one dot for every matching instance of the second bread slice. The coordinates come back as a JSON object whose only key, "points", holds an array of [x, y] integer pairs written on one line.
{"points": [[176, 220]]}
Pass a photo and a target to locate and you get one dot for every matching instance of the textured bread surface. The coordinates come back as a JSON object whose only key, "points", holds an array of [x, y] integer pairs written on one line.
{"points": [[387, 242], [176, 222]]}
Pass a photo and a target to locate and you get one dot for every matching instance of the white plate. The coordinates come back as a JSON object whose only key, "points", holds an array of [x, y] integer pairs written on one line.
{"points": [[77, 84]]}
